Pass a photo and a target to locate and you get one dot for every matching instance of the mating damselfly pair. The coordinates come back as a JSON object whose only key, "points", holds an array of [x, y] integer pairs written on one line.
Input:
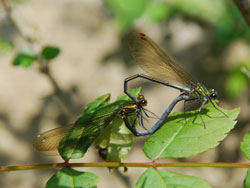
{"points": [[164, 71]]}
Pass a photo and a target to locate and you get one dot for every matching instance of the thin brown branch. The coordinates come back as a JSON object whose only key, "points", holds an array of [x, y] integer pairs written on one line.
{"points": [[244, 7], [115, 164], [6, 6], [63, 99], [69, 107], [8, 11]]}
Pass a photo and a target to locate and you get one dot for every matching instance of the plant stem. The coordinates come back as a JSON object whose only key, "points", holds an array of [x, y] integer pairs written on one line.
{"points": [[67, 104], [244, 8], [69, 107], [8, 11], [115, 164], [245, 71]]}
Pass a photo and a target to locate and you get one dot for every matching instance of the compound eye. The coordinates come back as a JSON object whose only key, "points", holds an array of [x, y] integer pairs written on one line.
{"points": [[141, 97], [213, 95], [143, 102]]}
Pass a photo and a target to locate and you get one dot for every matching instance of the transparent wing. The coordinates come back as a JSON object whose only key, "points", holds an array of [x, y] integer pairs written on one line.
{"points": [[192, 105], [157, 63], [49, 140]]}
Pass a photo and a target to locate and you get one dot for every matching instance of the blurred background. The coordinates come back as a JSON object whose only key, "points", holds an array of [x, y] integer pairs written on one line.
{"points": [[210, 39]]}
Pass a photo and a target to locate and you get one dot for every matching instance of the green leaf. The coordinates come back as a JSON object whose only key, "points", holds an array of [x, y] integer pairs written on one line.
{"points": [[117, 139], [70, 178], [157, 11], [134, 92], [6, 46], [224, 16], [162, 179], [25, 58], [86, 129], [98, 102], [237, 82], [180, 137], [50, 52], [126, 11], [89, 126], [247, 179], [245, 145], [211, 11]]}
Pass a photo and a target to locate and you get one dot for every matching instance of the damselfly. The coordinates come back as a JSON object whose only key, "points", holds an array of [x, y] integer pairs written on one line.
{"points": [[166, 72]]}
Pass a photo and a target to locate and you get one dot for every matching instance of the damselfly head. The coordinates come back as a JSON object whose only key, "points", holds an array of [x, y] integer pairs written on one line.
{"points": [[131, 109], [143, 101]]}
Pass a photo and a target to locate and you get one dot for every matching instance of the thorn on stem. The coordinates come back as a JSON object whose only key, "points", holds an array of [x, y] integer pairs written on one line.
{"points": [[154, 164]]}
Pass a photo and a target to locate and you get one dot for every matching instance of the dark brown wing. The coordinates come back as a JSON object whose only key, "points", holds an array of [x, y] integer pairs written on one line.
{"points": [[157, 63], [49, 140]]}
